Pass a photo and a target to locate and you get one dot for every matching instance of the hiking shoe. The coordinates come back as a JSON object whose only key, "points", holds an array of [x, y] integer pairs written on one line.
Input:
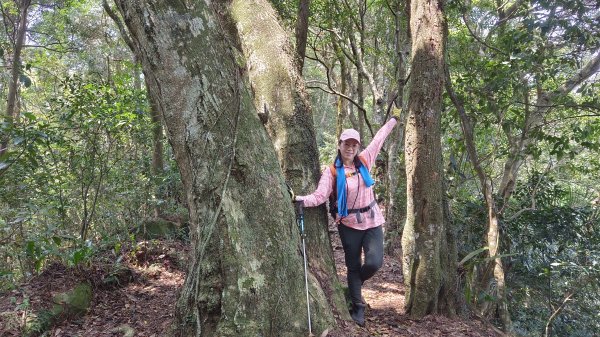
{"points": [[358, 313]]}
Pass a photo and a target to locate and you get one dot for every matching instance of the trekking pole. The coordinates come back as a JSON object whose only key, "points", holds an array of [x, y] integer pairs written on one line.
{"points": [[300, 220]]}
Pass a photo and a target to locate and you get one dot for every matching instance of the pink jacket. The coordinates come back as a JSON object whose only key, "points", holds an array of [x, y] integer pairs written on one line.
{"points": [[359, 196]]}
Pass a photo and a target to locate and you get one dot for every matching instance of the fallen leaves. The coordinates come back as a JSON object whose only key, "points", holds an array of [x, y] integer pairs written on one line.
{"points": [[145, 306], [385, 317]]}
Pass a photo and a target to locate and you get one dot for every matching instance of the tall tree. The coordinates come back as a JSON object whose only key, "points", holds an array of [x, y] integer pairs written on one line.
{"points": [[245, 276], [428, 272], [283, 106]]}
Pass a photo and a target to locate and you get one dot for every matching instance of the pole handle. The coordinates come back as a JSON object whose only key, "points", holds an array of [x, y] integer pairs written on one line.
{"points": [[299, 205]]}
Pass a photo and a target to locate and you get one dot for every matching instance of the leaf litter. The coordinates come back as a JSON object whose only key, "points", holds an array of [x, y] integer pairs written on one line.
{"points": [[142, 303]]}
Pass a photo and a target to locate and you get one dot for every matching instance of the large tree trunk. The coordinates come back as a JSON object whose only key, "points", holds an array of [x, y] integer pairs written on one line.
{"points": [[426, 274], [246, 273], [279, 93]]}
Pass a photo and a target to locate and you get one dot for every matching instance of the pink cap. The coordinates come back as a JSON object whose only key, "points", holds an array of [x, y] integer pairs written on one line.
{"points": [[350, 134]]}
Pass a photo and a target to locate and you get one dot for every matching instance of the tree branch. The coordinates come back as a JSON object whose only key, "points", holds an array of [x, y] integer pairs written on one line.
{"points": [[467, 128], [536, 119], [50, 49], [533, 195], [506, 14], [590, 68], [472, 33], [573, 106], [330, 87], [342, 40], [578, 285], [360, 66], [120, 25], [352, 18]]}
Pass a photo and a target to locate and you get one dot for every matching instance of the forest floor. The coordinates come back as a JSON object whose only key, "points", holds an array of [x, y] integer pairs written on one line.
{"points": [[142, 300], [385, 317]]}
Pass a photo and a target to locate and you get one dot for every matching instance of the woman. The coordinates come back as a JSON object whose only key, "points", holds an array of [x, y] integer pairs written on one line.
{"points": [[358, 217]]}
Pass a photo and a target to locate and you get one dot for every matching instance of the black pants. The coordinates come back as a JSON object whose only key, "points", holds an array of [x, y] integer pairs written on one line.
{"points": [[354, 242]]}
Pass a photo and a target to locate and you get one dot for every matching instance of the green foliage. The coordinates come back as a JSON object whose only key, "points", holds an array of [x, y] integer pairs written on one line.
{"points": [[502, 68], [327, 149], [79, 157], [561, 255], [287, 10], [70, 170], [550, 252]]}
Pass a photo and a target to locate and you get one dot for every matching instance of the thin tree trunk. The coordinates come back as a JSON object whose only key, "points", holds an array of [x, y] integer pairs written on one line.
{"points": [[157, 132], [350, 92], [246, 272], [363, 73], [396, 208], [13, 87], [396, 192], [157, 151], [580, 284], [555, 313], [493, 234], [360, 98], [342, 104], [302, 32]]}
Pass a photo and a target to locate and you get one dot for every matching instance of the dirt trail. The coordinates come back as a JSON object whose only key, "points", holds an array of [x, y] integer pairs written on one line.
{"points": [[143, 305], [384, 294]]}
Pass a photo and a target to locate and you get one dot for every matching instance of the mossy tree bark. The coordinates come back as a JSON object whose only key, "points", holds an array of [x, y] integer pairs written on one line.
{"points": [[246, 275], [283, 103], [428, 271]]}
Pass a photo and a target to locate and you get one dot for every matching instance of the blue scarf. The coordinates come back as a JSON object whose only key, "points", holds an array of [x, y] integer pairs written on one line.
{"points": [[341, 184]]}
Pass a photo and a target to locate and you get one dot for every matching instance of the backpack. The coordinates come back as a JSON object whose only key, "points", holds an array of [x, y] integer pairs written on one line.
{"points": [[333, 196]]}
